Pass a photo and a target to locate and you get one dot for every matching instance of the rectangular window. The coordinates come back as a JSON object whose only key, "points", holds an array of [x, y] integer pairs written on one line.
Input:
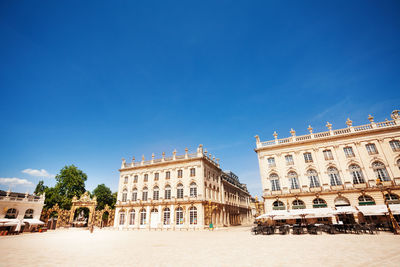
{"points": [[144, 196], [371, 148], [275, 186], [395, 145], [192, 172], [294, 183], [179, 193], [132, 218], [156, 176], [348, 151], [289, 160], [146, 178], [167, 175], [180, 173], [122, 219], [271, 162], [328, 154], [124, 197], [167, 194], [126, 180], [314, 182], [155, 195], [134, 196], [308, 157], [135, 179], [193, 191]]}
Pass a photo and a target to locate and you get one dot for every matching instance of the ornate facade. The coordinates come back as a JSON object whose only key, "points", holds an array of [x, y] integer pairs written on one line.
{"points": [[182, 191], [333, 168], [20, 208]]}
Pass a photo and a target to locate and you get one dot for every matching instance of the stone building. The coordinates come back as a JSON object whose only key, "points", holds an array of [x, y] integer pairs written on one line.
{"points": [[20, 209], [182, 191], [334, 169]]}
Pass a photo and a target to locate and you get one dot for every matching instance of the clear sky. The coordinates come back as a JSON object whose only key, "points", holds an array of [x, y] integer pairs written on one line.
{"points": [[90, 82]]}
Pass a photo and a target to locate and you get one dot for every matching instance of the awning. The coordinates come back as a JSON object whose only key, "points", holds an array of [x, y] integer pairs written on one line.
{"points": [[395, 208], [32, 221], [275, 215], [373, 210], [9, 222], [345, 210], [311, 213]]}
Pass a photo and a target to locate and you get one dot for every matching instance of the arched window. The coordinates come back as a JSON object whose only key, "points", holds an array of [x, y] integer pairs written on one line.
{"points": [[179, 216], [122, 218], [144, 194], [313, 178], [398, 163], [142, 217], [274, 179], [392, 198], [364, 200], [193, 189], [319, 203], [298, 204], [11, 214], [179, 191], [156, 193], [356, 173], [334, 176], [134, 194], [167, 192], [132, 217], [380, 171], [124, 195], [167, 216], [193, 215], [294, 180], [341, 202], [28, 214], [278, 205]]}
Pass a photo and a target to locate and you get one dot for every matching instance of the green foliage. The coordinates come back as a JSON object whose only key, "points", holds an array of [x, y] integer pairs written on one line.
{"points": [[70, 183], [52, 197], [40, 188], [104, 196]]}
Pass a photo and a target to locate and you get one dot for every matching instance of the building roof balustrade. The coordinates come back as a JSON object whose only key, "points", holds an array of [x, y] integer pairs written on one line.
{"points": [[339, 132]]}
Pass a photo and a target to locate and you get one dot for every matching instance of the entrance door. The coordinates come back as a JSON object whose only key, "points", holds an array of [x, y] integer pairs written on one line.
{"points": [[154, 219]]}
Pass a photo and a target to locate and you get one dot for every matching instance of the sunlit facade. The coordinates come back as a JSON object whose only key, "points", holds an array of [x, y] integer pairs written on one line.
{"points": [[182, 191], [333, 168]]}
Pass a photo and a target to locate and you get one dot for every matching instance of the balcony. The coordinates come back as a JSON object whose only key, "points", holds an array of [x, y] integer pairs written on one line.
{"points": [[359, 186]]}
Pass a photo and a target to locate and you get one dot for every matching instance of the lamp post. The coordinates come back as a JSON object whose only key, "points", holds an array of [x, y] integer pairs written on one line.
{"points": [[395, 225]]}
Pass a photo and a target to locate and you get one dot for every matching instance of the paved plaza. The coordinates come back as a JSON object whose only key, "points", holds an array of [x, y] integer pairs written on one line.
{"points": [[233, 246]]}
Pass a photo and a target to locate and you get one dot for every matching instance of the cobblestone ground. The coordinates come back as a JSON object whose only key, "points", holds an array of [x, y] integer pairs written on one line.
{"points": [[226, 247]]}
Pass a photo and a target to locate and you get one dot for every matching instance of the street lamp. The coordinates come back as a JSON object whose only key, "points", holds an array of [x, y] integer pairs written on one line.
{"points": [[395, 225]]}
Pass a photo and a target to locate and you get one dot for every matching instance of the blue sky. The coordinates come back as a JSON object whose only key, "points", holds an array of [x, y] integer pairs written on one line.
{"points": [[90, 82]]}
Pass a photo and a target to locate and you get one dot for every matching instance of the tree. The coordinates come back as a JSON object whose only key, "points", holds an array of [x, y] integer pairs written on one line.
{"points": [[104, 196], [40, 188], [70, 183]]}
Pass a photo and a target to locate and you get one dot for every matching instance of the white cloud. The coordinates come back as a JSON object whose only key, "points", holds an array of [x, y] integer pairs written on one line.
{"points": [[15, 181], [38, 173]]}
